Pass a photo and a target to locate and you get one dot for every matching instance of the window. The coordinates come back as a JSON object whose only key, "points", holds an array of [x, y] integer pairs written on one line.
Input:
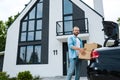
{"points": [[29, 47], [67, 7], [30, 54], [67, 14], [41, 1], [22, 54], [39, 10], [68, 24], [23, 36], [32, 14], [31, 25], [39, 25], [24, 26], [38, 53], [38, 35]]}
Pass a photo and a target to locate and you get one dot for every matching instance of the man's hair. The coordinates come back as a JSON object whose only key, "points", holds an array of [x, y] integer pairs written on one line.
{"points": [[75, 27]]}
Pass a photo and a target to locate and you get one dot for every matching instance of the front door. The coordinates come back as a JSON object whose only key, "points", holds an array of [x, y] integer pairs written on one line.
{"points": [[66, 62]]}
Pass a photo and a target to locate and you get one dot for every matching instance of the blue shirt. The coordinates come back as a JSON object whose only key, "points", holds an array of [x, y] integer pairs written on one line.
{"points": [[72, 42]]}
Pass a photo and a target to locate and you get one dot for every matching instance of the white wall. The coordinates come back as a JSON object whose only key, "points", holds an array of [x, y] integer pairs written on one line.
{"points": [[55, 60], [54, 66], [95, 23], [98, 6]]}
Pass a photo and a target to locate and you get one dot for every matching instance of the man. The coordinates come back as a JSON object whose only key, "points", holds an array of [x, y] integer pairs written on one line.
{"points": [[75, 46]]}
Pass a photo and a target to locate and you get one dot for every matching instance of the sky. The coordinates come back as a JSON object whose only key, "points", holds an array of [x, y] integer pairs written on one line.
{"points": [[111, 9], [12, 7]]}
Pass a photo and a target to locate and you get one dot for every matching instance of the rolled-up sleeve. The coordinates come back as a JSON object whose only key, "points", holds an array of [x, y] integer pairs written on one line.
{"points": [[70, 42]]}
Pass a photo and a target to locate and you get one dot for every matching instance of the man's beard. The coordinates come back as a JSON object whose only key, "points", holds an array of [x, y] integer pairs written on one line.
{"points": [[75, 34]]}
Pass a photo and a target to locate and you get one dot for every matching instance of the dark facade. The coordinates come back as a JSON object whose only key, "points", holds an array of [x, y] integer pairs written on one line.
{"points": [[1, 62], [33, 36]]}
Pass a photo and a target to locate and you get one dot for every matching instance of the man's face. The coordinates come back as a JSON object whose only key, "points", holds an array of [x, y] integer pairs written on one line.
{"points": [[76, 31]]}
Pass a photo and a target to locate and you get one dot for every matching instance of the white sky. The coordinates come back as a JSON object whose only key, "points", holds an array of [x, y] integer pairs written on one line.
{"points": [[12, 7], [111, 9]]}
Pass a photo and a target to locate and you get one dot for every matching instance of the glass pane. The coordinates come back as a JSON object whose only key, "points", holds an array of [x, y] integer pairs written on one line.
{"points": [[23, 37], [68, 18], [38, 35], [31, 25], [39, 24], [30, 36], [39, 10], [29, 54], [68, 25], [24, 26], [32, 14], [41, 1], [37, 55], [67, 7], [22, 55]]}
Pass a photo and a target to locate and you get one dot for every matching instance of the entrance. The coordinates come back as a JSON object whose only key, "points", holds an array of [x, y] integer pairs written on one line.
{"points": [[66, 61]]}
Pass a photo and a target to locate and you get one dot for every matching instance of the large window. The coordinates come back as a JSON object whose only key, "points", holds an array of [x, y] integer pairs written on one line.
{"points": [[30, 54], [29, 49], [67, 7], [67, 14]]}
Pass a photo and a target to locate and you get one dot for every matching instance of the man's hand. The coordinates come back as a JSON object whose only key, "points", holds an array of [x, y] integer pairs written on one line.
{"points": [[82, 50]]}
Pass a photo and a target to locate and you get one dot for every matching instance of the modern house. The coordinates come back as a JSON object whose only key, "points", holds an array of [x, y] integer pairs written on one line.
{"points": [[37, 40]]}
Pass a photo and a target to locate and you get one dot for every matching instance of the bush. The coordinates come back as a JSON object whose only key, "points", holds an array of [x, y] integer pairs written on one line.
{"points": [[26, 75], [36, 78], [4, 76], [13, 78]]}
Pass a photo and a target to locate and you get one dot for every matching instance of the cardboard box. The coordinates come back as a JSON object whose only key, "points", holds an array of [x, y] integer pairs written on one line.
{"points": [[88, 49]]}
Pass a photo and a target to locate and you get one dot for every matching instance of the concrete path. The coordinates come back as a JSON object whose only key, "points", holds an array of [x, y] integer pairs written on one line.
{"points": [[62, 78]]}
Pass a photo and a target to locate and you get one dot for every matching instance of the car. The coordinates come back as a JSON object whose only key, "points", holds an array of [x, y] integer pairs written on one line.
{"points": [[105, 61], [105, 64]]}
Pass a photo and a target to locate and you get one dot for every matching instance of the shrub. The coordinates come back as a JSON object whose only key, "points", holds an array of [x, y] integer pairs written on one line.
{"points": [[26, 75], [36, 78], [13, 78], [4, 76]]}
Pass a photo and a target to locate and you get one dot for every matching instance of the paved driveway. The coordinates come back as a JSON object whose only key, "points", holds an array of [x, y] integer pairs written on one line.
{"points": [[62, 78]]}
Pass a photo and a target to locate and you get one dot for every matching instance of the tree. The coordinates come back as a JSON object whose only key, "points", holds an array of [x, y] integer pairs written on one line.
{"points": [[2, 35], [3, 30], [118, 20], [11, 19]]}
